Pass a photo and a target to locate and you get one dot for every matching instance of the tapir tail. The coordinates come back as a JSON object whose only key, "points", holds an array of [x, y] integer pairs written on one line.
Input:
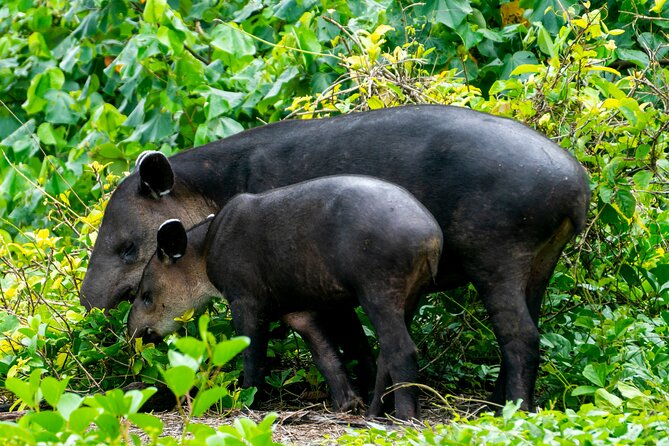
{"points": [[434, 246]]}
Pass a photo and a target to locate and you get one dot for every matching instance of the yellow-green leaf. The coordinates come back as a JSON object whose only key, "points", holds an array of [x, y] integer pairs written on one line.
{"points": [[154, 10]]}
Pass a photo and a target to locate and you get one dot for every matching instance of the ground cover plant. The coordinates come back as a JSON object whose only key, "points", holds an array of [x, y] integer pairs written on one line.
{"points": [[85, 86]]}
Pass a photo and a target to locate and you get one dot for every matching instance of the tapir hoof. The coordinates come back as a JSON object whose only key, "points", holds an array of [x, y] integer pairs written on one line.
{"points": [[353, 405]]}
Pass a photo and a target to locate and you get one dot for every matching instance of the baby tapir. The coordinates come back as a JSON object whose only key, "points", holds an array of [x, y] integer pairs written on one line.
{"points": [[320, 244]]}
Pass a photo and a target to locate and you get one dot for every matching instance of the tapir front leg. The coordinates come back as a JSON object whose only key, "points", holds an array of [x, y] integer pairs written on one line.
{"points": [[250, 321]]}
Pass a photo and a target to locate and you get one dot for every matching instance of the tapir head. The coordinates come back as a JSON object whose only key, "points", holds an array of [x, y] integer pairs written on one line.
{"points": [[174, 281], [126, 240]]}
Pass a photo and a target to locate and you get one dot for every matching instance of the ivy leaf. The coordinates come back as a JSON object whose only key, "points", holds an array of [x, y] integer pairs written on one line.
{"points": [[189, 70], [596, 373], [607, 401], [107, 119], [154, 10], [233, 43], [220, 102], [447, 12], [60, 108], [51, 79], [635, 56]]}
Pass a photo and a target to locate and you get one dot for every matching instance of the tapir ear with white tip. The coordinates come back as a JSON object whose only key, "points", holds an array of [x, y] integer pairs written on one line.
{"points": [[172, 241], [156, 177]]}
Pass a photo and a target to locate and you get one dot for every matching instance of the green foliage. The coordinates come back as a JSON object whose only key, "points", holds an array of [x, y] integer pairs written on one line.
{"points": [[588, 425], [87, 85], [107, 418]]}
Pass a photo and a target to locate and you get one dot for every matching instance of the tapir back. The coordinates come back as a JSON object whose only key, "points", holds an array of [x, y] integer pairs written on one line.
{"points": [[319, 241]]}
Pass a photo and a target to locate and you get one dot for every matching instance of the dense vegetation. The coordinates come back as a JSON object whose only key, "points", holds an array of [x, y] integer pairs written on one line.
{"points": [[86, 85]]}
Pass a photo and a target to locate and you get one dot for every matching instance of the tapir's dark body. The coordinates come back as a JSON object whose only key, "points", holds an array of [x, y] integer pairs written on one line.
{"points": [[507, 200], [313, 246]]}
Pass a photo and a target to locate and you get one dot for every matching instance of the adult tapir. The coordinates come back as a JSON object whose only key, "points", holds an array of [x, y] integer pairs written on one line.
{"points": [[506, 197], [312, 246]]}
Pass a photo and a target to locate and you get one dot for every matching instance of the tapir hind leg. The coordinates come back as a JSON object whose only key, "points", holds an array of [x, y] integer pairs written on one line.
{"points": [[513, 302], [310, 325], [390, 312], [341, 324]]}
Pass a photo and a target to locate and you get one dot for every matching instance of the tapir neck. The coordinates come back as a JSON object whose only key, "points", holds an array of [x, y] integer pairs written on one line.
{"points": [[197, 236]]}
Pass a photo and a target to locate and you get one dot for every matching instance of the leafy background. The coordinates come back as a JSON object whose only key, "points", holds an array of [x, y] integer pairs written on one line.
{"points": [[87, 85]]}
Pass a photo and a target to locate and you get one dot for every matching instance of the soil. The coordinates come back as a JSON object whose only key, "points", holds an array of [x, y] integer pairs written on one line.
{"points": [[316, 425]]}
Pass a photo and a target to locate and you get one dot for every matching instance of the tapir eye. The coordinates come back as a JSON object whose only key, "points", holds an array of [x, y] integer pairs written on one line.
{"points": [[147, 298], [128, 252]]}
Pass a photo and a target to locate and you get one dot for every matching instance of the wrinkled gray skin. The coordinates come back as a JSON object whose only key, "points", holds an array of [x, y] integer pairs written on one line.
{"points": [[507, 200], [317, 245]]}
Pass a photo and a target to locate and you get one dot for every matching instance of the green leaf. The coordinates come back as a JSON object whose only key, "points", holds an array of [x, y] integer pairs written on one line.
{"points": [[607, 401], [108, 150], [68, 403], [23, 391], [642, 179], [110, 426], [307, 41], [584, 390], [51, 79], [207, 398], [627, 202], [596, 373], [51, 421], [292, 10], [48, 135], [150, 424], [107, 119], [511, 61], [38, 46], [11, 433], [629, 274], [8, 322], [171, 39], [189, 70], [216, 129], [203, 324], [41, 19], [179, 379], [629, 391], [226, 350], [192, 347], [135, 399], [60, 108], [635, 56], [545, 42], [220, 102], [375, 103], [53, 389], [177, 358], [527, 68], [159, 125], [154, 10], [80, 419], [236, 45], [448, 12]]}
